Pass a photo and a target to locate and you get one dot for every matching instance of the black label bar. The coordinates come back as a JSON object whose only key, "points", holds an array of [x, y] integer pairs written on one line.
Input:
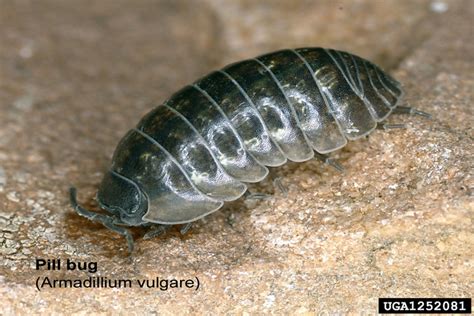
{"points": [[425, 305]]}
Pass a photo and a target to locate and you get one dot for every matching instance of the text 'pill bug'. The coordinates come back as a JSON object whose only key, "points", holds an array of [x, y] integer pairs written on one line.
{"points": [[197, 150]]}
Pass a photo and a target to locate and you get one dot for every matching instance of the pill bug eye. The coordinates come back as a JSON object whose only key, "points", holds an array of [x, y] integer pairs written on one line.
{"points": [[200, 148]]}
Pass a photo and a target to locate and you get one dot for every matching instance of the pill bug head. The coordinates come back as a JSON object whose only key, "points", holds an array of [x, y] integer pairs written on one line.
{"points": [[119, 196], [123, 198]]}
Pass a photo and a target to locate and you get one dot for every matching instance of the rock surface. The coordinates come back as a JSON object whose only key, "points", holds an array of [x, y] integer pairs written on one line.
{"points": [[398, 223]]}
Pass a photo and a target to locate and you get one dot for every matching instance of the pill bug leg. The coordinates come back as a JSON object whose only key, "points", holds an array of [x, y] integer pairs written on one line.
{"points": [[155, 231], [331, 162], [111, 224], [185, 228], [257, 196], [387, 126], [411, 111], [279, 185], [403, 110], [108, 221]]}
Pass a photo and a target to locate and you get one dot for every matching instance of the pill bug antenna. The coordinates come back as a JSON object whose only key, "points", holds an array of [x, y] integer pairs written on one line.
{"points": [[108, 221]]}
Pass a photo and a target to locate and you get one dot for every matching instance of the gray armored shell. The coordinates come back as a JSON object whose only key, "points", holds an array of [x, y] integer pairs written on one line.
{"points": [[197, 150]]}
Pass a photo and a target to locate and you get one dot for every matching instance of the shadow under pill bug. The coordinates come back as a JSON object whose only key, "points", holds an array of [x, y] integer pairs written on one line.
{"points": [[198, 149]]}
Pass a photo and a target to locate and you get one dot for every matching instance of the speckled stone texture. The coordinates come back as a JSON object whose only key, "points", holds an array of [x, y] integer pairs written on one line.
{"points": [[75, 76]]}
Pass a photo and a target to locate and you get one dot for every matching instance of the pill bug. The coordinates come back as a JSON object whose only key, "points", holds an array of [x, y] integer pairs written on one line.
{"points": [[197, 150]]}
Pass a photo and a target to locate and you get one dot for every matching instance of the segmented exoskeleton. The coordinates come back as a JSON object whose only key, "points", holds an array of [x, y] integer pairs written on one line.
{"points": [[198, 150]]}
